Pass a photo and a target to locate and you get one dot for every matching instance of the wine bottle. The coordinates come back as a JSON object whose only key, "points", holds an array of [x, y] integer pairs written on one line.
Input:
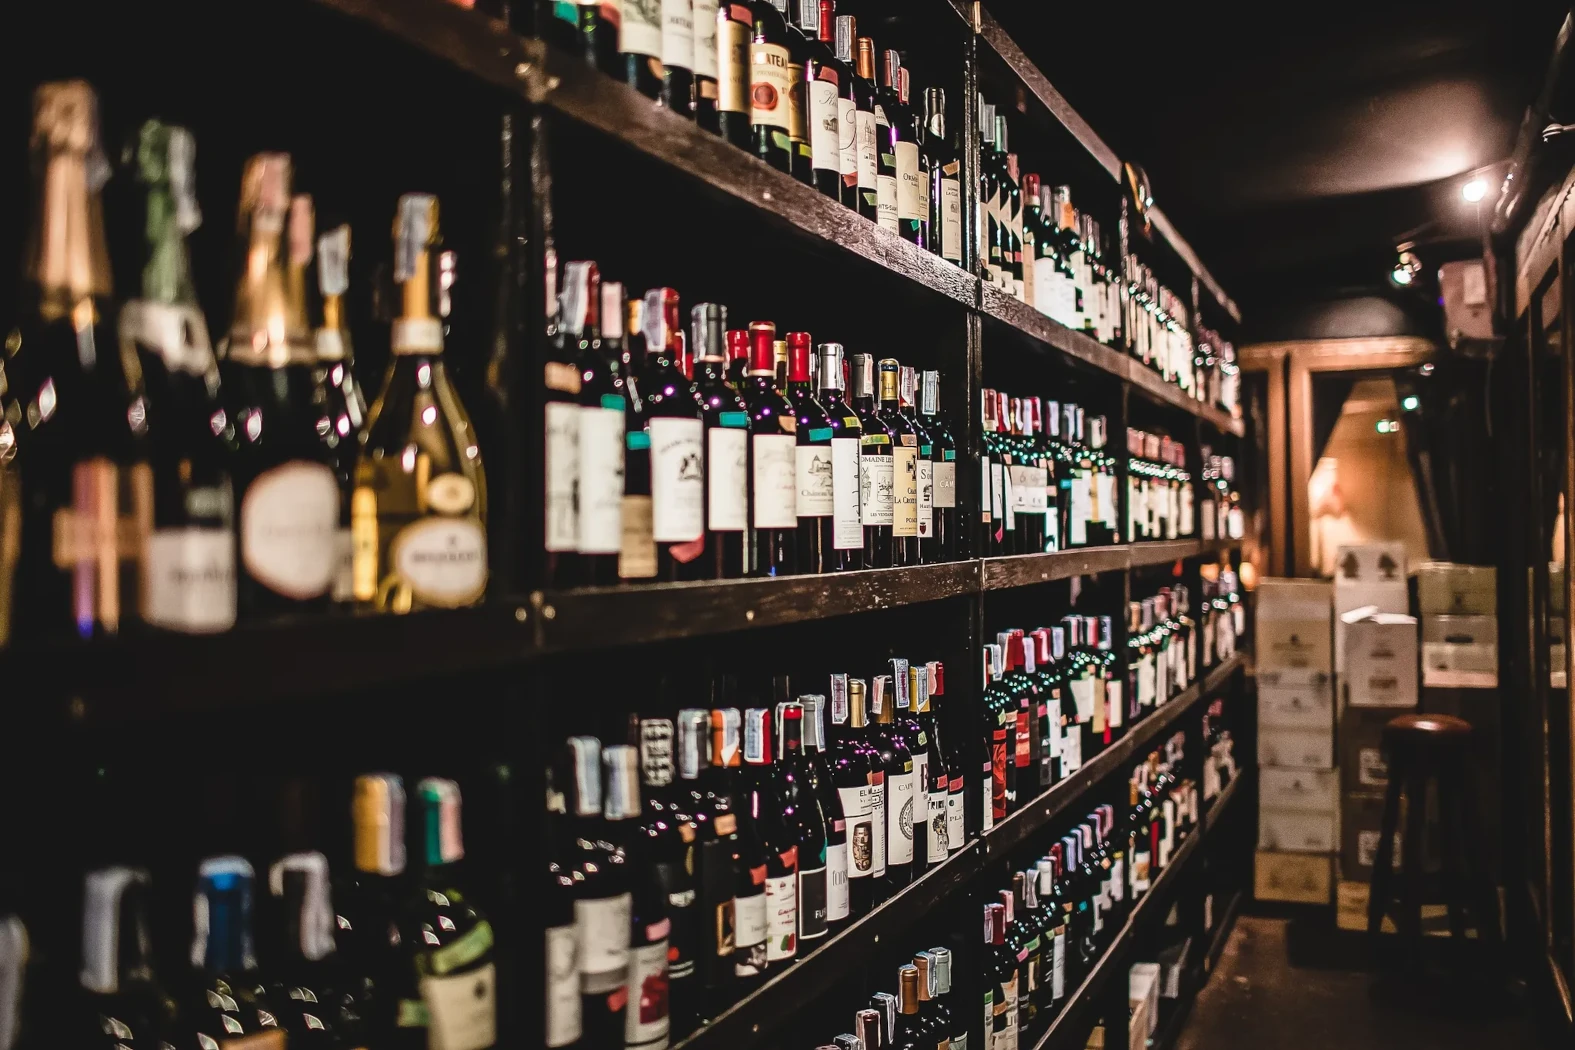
{"points": [[945, 198], [125, 1003], [860, 52], [839, 39], [231, 998], [561, 441], [603, 908], [734, 29], [732, 799], [599, 23], [637, 553], [84, 473], [450, 941], [945, 525], [317, 1002], [706, 63], [726, 449], [772, 427], [190, 583], [888, 115], [924, 465], [876, 470], [283, 471], [799, 804], [778, 839], [847, 534], [647, 1021], [715, 829], [561, 1004], [905, 468], [800, 163], [770, 86], [420, 505], [667, 859], [938, 782], [1001, 966], [640, 38], [369, 903], [902, 789], [338, 387], [815, 487], [678, 57], [838, 904], [674, 424], [904, 680], [602, 413], [860, 779], [822, 78], [913, 190]]}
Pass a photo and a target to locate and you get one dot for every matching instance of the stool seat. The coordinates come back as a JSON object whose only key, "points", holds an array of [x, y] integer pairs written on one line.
{"points": [[1421, 730]]}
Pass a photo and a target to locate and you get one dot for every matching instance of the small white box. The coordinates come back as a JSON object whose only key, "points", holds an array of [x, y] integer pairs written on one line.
{"points": [[1143, 998], [1460, 651], [1297, 831], [1296, 748], [1296, 707], [1379, 668], [1310, 790], [1381, 597]]}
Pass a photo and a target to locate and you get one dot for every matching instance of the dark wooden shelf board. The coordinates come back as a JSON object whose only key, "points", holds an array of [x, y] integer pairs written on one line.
{"points": [[602, 617], [1023, 570], [1151, 385]]}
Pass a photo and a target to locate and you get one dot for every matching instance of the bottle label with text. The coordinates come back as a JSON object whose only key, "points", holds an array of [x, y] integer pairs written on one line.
{"points": [[601, 480], [677, 480], [563, 474], [847, 532], [815, 474], [776, 491], [905, 491], [876, 480], [727, 479], [288, 519]]}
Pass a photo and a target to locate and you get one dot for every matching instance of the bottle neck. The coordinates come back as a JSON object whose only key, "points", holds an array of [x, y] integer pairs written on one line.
{"points": [[115, 944], [67, 259]]}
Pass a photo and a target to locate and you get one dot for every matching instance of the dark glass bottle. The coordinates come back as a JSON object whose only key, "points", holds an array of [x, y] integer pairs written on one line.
{"points": [[912, 1029], [945, 199], [647, 847], [846, 544], [603, 903], [1001, 971], [909, 681], [229, 997], [599, 23], [814, 484], [336, 380], [561, 1012], [774, 501], [924, 468], [923, 678], [368, 903], [316, 996], [1052, 938], [713, 873], [998, 734], [640, 40], [124, 1003], [734, 30], [860, 778], [706, 65], [800, 162], [190, 572], [726, 449], [778, 838], [860, 53], [913, 171], [674, 423], [876, 467], [990, 258], [678, 56], [1025, 922], [945, 523], [799, 803], [732, 818], [905, 441], [770, 86], [839, 41], [600, 425], [889, 112], [903, 796], [284, 479], [637, 554], [561, 448], [822, 85], [950, 1017], [86, 482], [838, 907], [667, 841]]}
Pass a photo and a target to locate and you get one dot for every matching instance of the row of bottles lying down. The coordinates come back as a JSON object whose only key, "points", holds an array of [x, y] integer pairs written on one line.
{"points": [[154, 478], [282, 953], [714, 452]]}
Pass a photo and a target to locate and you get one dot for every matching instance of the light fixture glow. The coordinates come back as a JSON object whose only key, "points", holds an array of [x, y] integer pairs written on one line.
{"points": [[1474, 190], [1411, 403], [1387, 426], [1401, 276], [1407, 265]]}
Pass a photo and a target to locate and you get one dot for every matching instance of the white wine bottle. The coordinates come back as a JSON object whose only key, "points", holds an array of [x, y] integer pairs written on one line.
{"points": [[418, 516]]}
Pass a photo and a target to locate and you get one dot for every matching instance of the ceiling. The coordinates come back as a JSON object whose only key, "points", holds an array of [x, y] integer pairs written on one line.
{"points": [[1295, 151]]}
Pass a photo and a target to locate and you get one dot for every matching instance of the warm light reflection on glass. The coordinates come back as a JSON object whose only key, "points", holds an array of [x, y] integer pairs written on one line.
{"points": [[1474, 190], [429, 415], [407, 459]]}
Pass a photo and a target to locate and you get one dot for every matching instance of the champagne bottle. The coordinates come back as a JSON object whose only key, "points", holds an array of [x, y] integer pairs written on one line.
{"points": [[283, 473], [342, 400], [84, 467], [420, 506], [191, 549], [231, 1001]]}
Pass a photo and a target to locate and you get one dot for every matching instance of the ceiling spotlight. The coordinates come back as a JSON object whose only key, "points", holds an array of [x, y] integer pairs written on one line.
{"points": [[1474, 190], [1407, 265], [1410, 403]]}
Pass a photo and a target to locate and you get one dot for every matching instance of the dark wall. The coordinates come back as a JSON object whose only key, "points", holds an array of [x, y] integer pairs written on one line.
{"points": [[1344, 316]]}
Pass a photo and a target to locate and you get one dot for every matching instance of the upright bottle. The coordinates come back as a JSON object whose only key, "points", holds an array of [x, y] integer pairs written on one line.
{"points": [[913, 192], [601, 424], [674, 423], [866, 137], [889, 111], [822, 114], [309, 986], [666, 859], [839, 39], [945, 525], [126, 1004], [85, 477], [799, 805], [908, 392], [336, 380], [190, 582], [838, 905], [599, 23], [778, 838], [903, 794], [369, 902], [1002, 970], [647, 1021], [420, 507], [706, 64], [989, 199], [877, 479], [770, 86], [905, 468], [561, 440], [860, 778], [734, 30], [937, 778], [637, 550], [814, 478], [945, 199], [773, 426], [678, 56], [231, 999], [640, 38], [726, 449], [735, 823], [604, 905], [289, 496]]}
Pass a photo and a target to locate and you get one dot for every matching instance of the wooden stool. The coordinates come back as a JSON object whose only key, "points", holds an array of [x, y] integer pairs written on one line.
{"points": [[1422, 748]]}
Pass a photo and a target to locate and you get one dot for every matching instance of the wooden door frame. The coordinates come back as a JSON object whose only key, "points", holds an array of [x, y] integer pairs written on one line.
{"points": [[1291, 432]]}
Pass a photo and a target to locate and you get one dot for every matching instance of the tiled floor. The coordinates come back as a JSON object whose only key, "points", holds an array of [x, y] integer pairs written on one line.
{"points": [[1294, 985]]}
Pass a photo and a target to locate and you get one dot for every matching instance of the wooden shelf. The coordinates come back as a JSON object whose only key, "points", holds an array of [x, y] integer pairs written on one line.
{"points": [[1024, 570]]}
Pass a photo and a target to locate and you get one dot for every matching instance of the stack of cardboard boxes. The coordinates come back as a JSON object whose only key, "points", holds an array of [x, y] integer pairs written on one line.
{"points": [[1297, 789]]}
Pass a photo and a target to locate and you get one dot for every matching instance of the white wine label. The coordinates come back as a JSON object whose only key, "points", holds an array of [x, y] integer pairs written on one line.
{"points": [[912, 203], [951, 220], [604, 942], [1107, 501], [860, 829], [1020, 488], [563, 986], [190, 580], [816, 485], [727, 479], [886, 202], [847, 532], [798, 108], [865, 148], [847, 140], [875, 794], [677, 480], [825, 128], [178, 334], [770, 85], [705, 39], [938, 842], [442, 560], [749, 917], [905, 490], [1147, 679], [288, 519], [926, 497], [1071, 750], [1047, 287], [601, 481], [641, 30], [899, 813], [646, 1019], [781, 918], [876, 481], [462, 1010], [637, 553], [563, 475], [812, 895], [732, 50], [956, 824], [943, 491], [678, 34], [776, 494], [1058, 966], [1078, 513], [1083, 696], [1116, 703], [837, 901]]}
